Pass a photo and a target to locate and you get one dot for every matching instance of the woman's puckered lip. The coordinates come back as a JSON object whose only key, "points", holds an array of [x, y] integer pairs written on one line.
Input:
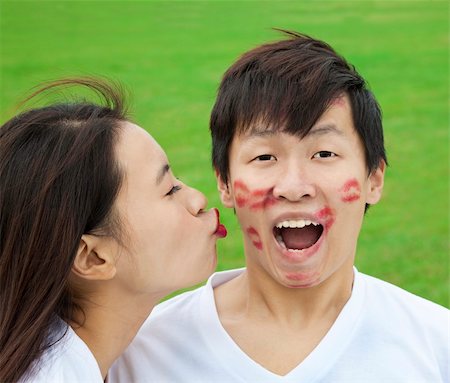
{"points": [[221, 230]]}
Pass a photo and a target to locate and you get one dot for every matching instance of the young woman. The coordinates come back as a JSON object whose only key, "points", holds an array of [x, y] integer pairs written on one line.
{"points": [[94, 231]]}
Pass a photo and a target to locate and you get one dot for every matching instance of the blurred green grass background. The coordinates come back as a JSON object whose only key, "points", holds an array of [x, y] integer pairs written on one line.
{"points": [[172, 54]]}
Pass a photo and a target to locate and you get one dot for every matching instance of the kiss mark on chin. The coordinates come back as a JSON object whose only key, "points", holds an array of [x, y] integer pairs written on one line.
{"points": [[351, 191], [257, 199], [302, 279], [297, 276], [254, 237]]}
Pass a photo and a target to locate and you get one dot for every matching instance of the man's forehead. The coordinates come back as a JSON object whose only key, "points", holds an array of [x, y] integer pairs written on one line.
{"points": [[260, 127]]}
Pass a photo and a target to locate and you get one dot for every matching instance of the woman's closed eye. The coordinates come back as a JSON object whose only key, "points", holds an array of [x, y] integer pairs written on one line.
{"points": [[174, 189]]}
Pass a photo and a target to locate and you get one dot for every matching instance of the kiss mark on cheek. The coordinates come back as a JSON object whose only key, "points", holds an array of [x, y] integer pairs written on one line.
{"points": [[241, 200], [241, 193], [257, 199], [351, 191], [265, 202], [254, 237], [326, 217]]}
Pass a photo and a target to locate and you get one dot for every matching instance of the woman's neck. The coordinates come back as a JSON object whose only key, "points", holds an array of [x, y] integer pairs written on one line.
{"points": [[110, 324]]}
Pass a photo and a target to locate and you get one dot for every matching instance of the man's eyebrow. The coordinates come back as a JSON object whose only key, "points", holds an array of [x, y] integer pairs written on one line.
{"points": [[325, 129], [261, 133], [162, 172], [318, 130]]}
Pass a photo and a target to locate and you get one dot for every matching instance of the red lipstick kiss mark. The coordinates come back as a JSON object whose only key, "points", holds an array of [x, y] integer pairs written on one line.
{"points": [[297, 276], [254, 237], [241, 201], [303, 280], [326, 217], [338, 101], [256, 199], [351, 191], [267, 201], [242, 193]]}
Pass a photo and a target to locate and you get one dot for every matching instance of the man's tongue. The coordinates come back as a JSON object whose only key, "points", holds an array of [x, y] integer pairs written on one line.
{"points": [[300, 238]]}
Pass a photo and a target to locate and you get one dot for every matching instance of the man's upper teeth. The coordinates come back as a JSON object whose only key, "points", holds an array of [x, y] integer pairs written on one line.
{"points": [[296, 224]]}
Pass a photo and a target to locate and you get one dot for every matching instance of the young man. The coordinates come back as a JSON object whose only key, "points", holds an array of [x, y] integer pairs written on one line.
{"points": [[299, 154]]}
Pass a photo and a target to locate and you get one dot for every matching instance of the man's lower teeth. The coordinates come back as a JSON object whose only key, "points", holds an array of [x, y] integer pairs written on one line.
{"points": [[280, 241]]}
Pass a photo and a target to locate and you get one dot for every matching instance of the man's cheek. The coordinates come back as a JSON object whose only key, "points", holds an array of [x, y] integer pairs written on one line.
{"points": [[253, 199], [350, 191]]}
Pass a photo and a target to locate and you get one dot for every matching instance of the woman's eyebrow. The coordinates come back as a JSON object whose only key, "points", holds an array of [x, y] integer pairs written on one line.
{"points": [[162, 172]]}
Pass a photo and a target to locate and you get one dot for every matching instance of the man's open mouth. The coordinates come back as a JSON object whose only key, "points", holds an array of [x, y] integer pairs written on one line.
{"points": [[297, 234]]}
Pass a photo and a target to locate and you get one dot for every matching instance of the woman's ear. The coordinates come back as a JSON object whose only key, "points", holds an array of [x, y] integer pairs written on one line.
{"points": [[226, 195], [95, 259], [375, 184]]}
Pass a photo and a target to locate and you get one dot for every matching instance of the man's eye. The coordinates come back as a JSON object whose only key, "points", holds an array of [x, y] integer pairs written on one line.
{"points": [[265, 157], [174, 189], [324, 154]]}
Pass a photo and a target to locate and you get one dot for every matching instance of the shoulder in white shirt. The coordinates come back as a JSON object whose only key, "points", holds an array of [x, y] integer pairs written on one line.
{"points": [[383, 334], [68, 361]]}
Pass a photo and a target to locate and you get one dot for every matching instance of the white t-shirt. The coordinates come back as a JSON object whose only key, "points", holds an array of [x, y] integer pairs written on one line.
{"points": [[383, 334], [68, 361]]}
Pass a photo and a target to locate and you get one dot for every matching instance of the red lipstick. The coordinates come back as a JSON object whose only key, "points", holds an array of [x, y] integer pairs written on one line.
{"points": [[221, 230]]}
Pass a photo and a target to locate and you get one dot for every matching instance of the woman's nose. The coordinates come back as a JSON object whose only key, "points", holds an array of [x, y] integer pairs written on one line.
{"points": [[195, 200]]}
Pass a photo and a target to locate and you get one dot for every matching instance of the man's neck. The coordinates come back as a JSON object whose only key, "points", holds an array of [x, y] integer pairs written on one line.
{"points": [[277, 326], [299, 306], [256, 294]]}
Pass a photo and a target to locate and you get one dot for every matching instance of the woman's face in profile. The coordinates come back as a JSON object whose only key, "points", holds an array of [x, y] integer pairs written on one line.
{"points": [[170, 241]]}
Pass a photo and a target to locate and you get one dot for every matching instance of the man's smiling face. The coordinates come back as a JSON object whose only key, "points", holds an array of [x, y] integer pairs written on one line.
{"points": [[300, 202]]}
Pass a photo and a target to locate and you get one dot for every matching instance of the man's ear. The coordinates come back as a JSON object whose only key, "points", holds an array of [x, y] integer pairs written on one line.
{"points": [[95, 259], [226, 195], [375, 185]]}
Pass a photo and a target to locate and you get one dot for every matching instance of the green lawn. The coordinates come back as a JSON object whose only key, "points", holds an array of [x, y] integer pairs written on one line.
{"points": [[171, 55]]}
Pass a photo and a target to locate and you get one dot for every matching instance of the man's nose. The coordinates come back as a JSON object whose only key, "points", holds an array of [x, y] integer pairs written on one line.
{"points": [[294, 183]]}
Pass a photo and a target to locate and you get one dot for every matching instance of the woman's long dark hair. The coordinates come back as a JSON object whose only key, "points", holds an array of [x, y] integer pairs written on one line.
{"points": [[59, 179]]}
